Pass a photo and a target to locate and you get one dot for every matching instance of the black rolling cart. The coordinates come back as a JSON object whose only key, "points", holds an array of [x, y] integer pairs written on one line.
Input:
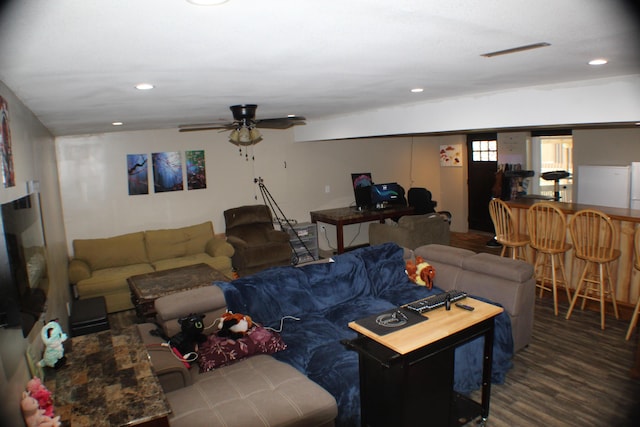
{"points": [[406, 377]]}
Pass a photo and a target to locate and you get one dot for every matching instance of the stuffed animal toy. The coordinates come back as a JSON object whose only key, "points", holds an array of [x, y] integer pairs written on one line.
{"points": [[33, 415], [234, 325], [52, 337], [38, 391], [421, 272], [186, 341]]}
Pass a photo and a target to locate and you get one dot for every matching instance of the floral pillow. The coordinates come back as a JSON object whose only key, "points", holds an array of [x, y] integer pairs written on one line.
{"points": [[220, 351]]}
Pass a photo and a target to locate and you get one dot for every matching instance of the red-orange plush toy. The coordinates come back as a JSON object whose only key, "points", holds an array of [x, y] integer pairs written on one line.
{"points": [[421, 272], [234, 325]]}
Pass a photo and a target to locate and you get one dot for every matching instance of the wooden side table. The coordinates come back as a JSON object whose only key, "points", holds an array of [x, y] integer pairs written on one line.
{"points": [[146, 288]]}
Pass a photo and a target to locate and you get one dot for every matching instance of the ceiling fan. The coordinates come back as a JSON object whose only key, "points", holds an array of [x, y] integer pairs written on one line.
{"points": [[243, 128]]}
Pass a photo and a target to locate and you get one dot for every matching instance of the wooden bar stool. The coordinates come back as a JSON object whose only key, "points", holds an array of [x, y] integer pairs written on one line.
{"points": [[547, 227], [636, 311], [506, 230], [592, 234]]}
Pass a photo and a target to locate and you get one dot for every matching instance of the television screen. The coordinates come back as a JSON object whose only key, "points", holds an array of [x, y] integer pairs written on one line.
{"points": [[22, 262], [362, 189]]}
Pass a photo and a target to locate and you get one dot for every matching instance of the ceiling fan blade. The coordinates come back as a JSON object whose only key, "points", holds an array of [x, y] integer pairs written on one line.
{"points": [[280, 123], [206, 126]]}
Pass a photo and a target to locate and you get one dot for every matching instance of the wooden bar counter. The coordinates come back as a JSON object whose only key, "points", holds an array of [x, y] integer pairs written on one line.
{"points": [[625, 279]]}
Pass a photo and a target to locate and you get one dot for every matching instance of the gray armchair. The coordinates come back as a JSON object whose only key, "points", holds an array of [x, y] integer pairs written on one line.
{"points": [[412, 231], [249, 229]]}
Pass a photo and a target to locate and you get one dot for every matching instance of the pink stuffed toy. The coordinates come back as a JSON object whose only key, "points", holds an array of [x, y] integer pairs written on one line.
{"points": [[38, 391], [33, 415]]}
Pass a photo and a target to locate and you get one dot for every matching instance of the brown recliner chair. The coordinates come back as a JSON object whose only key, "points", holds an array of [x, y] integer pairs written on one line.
{"points": [[257, 243]]}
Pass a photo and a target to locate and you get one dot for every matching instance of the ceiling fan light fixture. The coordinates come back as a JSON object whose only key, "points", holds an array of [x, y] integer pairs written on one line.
{"points": [[256, 136], [234, 137]]}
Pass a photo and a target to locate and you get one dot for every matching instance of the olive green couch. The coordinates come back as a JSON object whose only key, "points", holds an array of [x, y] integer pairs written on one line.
{"points": [[100, 267]]}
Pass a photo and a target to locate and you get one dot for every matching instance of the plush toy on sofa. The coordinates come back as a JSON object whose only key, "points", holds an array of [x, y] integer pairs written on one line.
{"points": [[38, 391], [52, 337], [234, 325], [33, 415], [421, 272], [186, 341]]}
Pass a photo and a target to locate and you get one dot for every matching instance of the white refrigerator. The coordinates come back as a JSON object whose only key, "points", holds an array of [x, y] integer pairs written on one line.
{"points": [[611, 186]]}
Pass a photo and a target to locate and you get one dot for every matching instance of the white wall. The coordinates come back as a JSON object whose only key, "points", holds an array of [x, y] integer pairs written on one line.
{"points": [[34, 160], [583, 102], [93, 178]]}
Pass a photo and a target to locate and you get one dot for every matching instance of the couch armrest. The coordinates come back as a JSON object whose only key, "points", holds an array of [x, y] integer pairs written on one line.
{"points": [[171, 372], [219, 247], [78, 270], [278, 236], [208, 300], [237, 242]]}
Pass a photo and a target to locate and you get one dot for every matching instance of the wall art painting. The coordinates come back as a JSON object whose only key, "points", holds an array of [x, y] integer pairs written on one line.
{"points": [[167, 171], [6, 154], [451, 155], [138, 174], [196, 174]]}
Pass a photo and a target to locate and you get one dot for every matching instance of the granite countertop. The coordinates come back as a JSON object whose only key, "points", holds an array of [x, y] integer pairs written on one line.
{"points": [[107, 380]]}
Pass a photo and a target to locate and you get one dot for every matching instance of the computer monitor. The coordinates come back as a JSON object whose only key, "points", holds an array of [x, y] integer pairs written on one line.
{"points": [[387, 194], [362, 189]]}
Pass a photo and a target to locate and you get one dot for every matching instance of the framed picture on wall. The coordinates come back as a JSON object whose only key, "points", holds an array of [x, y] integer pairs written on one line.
{"points": [[196, 170], [167, 171], [451, 155], [138, 174], [6, 153]]}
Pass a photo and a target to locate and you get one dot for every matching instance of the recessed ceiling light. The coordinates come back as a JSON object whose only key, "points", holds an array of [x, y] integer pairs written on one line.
{"points": [[291, 115], [144, 86], [417, 90], [207, 2], [117, 123], [598, 61]]}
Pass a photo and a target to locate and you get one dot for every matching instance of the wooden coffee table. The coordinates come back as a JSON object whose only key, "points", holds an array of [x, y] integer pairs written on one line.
{"points": [[146, 288]]}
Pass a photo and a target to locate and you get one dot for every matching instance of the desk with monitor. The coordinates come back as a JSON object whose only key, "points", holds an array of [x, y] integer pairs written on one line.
{"points": [[351, 215]]}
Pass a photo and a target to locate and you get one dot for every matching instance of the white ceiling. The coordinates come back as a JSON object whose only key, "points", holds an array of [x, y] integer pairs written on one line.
{"points": [[75, 63]]}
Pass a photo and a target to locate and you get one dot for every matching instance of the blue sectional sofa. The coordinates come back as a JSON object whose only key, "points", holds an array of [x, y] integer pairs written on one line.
{"points": [[326, 297]]}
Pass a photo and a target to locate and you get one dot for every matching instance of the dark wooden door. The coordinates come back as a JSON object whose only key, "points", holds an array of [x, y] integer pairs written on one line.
{"points": [[481, 178]]}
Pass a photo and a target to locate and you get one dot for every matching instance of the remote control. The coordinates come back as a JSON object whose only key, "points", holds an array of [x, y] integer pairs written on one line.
{"points": [[464, 306]]}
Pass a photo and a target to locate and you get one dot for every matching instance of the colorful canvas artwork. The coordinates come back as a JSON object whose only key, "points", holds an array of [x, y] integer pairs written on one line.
{"points": [[196, 173], [138, 174], [451, 155], [167, 171], [8, 173]]}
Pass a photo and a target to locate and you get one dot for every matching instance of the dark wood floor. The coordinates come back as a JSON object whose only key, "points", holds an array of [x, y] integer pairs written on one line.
{"points": [[572, 373]]}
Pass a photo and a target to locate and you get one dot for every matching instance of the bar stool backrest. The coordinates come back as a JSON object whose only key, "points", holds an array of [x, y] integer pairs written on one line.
{"points": [[502, 220], [636, 247], [592, 234], [547, 227]]}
